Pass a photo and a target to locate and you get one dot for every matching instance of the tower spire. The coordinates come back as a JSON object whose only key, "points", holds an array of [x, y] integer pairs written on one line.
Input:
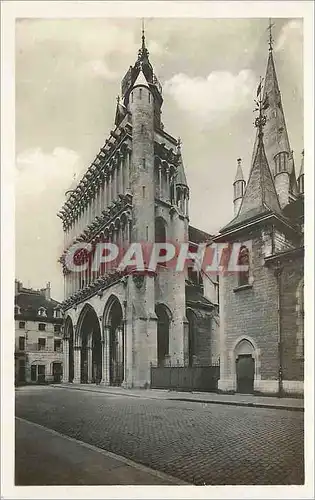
{"points": [[143, 52]]}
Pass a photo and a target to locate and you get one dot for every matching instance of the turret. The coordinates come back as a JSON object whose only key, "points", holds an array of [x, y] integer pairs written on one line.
{"points": [[239, 185], [141, 106], [181, 186], [301, 176]]}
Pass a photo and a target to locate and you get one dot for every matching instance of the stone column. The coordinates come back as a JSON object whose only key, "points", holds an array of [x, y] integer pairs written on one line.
{"points": [[89, 359], [105, 356], [77, 364], [168, 183], [160, 181], [65, 368], [121, 177]]}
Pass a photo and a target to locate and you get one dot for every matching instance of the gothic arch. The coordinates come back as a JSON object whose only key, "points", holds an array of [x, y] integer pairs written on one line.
{"points": [[192, 319], [245, 350], [164, 318], [89, 339], [69, 335], [108, 306], [114, 337]]}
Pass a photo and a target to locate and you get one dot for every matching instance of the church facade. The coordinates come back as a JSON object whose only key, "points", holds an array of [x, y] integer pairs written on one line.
{"points": [[262, 309], [117, 324]]}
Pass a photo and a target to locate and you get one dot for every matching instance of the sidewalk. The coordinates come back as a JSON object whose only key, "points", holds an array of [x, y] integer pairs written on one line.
{"points": [[248, 400], [46, 457]]}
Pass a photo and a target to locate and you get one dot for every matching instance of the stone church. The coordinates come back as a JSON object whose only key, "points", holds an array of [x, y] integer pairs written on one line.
{"points": [[262, 309], [117, 325]]}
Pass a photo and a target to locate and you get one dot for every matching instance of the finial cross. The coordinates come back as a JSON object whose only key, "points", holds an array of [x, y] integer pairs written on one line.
{"points": [[270, 26]]}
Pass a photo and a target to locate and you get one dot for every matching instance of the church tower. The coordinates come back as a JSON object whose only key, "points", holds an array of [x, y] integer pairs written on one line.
{"points": [[261, 330], [276, 139], [120, 324]]}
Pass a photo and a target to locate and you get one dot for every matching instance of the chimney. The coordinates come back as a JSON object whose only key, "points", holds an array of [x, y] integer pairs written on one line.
{"points": [[47, 291]]}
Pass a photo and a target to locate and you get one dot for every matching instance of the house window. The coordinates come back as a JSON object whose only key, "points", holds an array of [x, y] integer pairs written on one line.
{"points": [[57, 328], [41, 344], [57, 313], [42, 327], [57, 345], [21, 325], [243, 260], [42, 311], [22, 343]]}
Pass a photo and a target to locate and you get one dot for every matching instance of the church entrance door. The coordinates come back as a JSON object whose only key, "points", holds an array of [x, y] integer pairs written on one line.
{"points": [[245, 372]]}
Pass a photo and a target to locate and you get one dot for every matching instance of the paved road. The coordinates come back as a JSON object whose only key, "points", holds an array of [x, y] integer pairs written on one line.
{"points": [[45, 457], [198, 443]]}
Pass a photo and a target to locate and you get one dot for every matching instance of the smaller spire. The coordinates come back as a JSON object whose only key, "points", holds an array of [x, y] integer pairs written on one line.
{"points": [[239, 171], [302, 165]]}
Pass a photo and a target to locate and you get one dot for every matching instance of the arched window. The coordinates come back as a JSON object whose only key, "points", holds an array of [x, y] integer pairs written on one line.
{"points": [[160, 234], [243, 260]]}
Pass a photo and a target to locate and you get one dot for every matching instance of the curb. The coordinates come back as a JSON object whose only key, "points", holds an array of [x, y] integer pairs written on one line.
{"points": [[190, 400], [240, 403]]}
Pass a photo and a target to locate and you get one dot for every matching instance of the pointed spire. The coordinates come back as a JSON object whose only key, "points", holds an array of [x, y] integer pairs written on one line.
{"points": [[239, 171], [260, 195], [302, 165], [275, 132], [143, 54], [301, 176], [180, 175]]}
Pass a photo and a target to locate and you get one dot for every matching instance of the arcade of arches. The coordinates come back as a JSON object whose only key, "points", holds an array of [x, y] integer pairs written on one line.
{"points": [[95, 353]]}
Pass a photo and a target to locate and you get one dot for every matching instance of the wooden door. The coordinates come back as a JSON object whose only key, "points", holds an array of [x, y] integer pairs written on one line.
{"points": [[245, 372]]}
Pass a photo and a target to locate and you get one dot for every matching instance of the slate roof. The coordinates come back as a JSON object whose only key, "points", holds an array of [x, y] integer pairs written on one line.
{"points": [[197, 236], [30, 301], [260, 195]]}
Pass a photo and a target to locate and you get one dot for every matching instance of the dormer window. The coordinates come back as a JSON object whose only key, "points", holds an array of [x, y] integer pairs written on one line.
{"points": [[42, 312], [57, 313]]}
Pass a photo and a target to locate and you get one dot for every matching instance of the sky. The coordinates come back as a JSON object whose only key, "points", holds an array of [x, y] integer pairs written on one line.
{"points": [[68, 74]]}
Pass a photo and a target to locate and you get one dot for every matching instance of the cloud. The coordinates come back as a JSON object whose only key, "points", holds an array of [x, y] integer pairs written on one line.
{"points": [[99, 68], [291, 36], [37, 173], [92, 37], [214, 98], [290, 43]]}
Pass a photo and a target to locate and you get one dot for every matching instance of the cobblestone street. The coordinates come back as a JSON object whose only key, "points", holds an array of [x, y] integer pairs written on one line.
{"points": [[195, 442]]}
